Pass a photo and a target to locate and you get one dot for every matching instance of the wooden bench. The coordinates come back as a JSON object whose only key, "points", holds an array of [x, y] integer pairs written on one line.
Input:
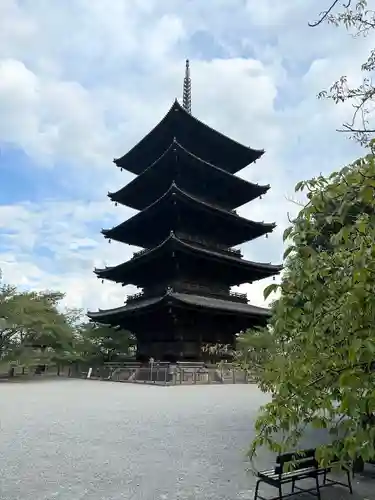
{"points": [[302, 465]]}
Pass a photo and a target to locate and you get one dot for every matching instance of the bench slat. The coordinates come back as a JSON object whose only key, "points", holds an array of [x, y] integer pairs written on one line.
{"points": [[271, 474]]}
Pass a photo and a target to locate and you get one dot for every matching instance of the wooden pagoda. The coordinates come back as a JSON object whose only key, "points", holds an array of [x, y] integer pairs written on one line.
{"points": [[186, 195]]}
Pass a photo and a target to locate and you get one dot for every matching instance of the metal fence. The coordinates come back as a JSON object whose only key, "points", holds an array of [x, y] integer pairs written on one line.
{"points": [[156, 373], [171, 373]]}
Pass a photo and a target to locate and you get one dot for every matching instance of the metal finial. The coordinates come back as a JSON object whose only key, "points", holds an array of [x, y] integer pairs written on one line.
{"points": [[186, 102]]}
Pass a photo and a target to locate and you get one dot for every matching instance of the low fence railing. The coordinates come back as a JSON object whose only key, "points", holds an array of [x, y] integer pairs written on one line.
{"points": [[157, 373], [171, 373]]}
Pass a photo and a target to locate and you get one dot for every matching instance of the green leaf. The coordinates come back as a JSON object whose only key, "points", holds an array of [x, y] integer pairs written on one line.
{"points": [[362, 227], [318, 423], [368, 194], [299, 186], [288, 251], [370, 345], [287, 232], [269, 289]]}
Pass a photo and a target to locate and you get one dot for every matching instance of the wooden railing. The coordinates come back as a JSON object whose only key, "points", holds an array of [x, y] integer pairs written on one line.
{"points": [[213, 247], [191, 288], [234, 251], [209, 245], [139, 253], [220, 293], [242, 297], [206, 245], [135, 297]]}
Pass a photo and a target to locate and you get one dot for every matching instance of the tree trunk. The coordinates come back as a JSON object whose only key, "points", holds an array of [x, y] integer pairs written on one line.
{"points": [[358, 465]]}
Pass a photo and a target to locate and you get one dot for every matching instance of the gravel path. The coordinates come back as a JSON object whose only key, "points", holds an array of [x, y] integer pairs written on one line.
{"points": [[89, 440]]}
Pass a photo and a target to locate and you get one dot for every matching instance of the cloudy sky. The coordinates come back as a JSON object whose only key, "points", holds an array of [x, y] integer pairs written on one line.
{"points": [[81, 81]]}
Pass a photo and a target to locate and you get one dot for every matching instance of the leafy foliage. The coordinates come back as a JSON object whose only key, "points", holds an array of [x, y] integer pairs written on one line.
{"points": [[254, 350], [35, 330], [321, 372], [32, 329], [100, 344], [358, 19], [214, 353]]}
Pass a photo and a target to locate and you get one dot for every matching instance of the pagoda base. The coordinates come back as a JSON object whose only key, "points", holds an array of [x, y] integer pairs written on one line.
{"points": [[178, 326], [169, 351]]}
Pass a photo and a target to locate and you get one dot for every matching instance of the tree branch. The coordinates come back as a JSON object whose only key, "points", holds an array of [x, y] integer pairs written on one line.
{"points": [[324, 15]]}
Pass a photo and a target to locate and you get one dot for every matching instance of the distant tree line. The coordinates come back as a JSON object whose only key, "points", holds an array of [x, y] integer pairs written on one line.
{"points": [[36, 331]]}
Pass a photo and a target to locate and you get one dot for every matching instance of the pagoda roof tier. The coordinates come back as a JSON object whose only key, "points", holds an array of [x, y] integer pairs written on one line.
{"points": [[154, 266], [130, 311], [207, 143], [190, 173], [179, 211]]}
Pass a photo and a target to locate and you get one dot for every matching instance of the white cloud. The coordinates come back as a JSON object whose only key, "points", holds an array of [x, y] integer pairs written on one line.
{"points": [[47, 249], [82, 81], [49, 119], [269, 13]]}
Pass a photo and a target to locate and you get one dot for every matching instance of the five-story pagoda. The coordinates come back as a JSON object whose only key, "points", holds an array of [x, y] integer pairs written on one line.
{"points": [[186, 195]]}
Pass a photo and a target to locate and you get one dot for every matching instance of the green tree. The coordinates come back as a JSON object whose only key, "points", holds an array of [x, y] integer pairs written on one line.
{"points": [[359, 20], [322, 372], [35, 331], [254, 349], [32, 328], [100, 343]]}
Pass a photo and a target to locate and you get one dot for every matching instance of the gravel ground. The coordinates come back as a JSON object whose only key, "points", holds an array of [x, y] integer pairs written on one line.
{"points": [[90, 440]]}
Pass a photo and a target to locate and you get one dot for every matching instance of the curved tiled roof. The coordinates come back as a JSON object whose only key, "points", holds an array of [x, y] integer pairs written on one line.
{"points": [[118, 273], [234, 190], [174, 192], [179, 299], [209, 144]]}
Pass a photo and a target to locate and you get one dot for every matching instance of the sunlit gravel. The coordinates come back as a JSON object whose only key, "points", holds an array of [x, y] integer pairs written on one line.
{"points": [[90, 440]]}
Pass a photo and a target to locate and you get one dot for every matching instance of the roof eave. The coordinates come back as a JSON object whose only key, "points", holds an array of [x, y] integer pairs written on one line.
{"points": [[175, 192], [121, 161], [113, 316], [248, 155], [118, 273]]}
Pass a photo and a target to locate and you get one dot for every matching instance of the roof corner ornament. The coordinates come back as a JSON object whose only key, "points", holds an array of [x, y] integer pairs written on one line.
{"points": [[186, 101]]}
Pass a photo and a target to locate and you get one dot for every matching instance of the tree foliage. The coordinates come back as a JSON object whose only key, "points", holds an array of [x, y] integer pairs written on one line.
{"points": [[254, 350], [101, 344], [359, 20], [322, 372], [36, 330], [32, 329]]}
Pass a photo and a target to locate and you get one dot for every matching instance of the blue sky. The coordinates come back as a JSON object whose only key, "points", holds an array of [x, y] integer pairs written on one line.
{"points": [[81, 81]]}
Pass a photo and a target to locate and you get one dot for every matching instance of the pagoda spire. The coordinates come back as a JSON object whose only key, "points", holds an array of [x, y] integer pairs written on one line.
{"points": [[186, 102]]}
